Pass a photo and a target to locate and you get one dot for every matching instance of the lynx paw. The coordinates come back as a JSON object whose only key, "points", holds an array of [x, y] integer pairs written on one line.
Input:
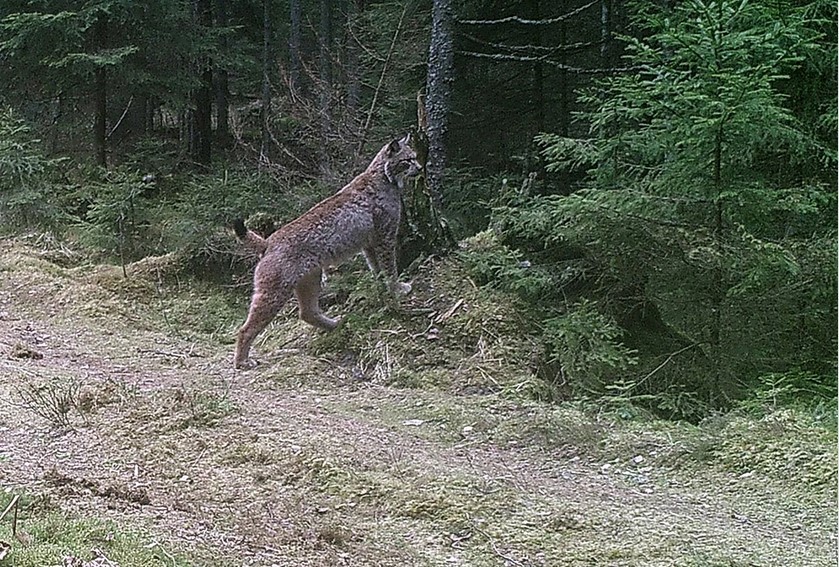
{"points": [[248, 364], [401, 289]]}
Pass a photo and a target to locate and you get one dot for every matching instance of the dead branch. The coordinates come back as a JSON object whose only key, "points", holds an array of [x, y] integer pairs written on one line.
{"points": [[543, 59], [520, 20], [374, 102], [13, 503]]}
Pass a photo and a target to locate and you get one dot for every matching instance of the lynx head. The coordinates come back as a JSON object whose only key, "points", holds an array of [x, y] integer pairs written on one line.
{"points": [[400, 161]]}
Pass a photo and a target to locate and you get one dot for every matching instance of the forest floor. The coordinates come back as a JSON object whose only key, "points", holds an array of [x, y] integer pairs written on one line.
{"points": [[130, 440]]}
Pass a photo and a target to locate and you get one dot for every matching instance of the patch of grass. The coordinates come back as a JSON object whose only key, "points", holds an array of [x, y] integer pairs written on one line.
{"points": [[203, 409], [55, 538], [249, 454], [785, 444], [182, 407], [111, 391], [44, 535], [203, 309]]}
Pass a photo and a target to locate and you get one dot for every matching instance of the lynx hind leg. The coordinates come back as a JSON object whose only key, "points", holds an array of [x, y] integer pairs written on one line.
{"points": [[264, 307], [308, 293]]}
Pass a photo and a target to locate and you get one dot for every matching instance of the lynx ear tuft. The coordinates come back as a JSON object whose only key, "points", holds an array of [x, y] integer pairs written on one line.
{"points": [[239, 228], [393, 147]]}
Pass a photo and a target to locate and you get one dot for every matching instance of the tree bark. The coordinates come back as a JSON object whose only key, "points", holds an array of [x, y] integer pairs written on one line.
{"points": [[438, 94], [564, 94], [325, 62], [605, 33], [101, 99], [354, 9], [99, 122], [717, 284], [266, 79], [202, 99], [538, 85], [222, 87], [294, 43]]}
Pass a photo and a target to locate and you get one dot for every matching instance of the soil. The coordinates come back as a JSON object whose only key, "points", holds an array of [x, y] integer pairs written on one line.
{"points": [[308, 461]]}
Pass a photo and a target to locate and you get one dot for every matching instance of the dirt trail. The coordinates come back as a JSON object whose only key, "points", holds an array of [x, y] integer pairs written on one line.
{"points": [[280, 466]]}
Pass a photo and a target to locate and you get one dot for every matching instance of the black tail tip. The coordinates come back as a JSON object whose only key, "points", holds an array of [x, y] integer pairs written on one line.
{"points": [[239, 228]]}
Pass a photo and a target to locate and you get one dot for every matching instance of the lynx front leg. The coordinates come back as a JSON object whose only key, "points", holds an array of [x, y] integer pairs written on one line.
{"points": [[385, 261], [372, 260]]}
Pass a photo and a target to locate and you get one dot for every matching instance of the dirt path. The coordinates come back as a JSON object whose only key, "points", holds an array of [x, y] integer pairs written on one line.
{"points": [[301, 463]]}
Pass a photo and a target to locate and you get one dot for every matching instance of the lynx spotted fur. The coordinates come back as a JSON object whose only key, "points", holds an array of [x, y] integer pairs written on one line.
{"points": [[363, 216]]}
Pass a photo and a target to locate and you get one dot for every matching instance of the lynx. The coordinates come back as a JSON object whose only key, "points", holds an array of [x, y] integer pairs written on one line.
{"points": [[361, 217]]}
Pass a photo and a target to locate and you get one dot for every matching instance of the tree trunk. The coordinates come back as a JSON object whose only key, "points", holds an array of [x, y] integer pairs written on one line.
{"points": [[538, 85], [354, 9], [202, 99], [101, 99], [222, 88], [325, 62], [438, 97], [717, 291], [266, 79], [605, 33], [99, 123], [294, 44], [564, 94]]}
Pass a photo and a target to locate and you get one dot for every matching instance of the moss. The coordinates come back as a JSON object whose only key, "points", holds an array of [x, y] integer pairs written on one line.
{"points": [[53, 537]]}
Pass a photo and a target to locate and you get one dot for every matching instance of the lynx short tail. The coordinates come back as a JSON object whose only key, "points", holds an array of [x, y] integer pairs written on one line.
{"points": [[249, 238], [240, 229]]}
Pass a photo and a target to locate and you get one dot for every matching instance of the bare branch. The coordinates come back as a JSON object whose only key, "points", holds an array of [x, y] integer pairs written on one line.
{"points": [[544, 59], [121, 118], [579, 46], [519, 20]]}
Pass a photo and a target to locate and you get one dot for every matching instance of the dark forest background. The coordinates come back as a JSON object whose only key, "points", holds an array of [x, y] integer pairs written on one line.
{"points": [[655, 182]]}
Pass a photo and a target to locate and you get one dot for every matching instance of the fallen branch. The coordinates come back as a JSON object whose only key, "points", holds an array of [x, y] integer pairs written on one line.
{"points": [[9, 507]]}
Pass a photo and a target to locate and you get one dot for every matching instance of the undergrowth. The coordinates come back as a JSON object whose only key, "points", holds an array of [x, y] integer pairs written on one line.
{"points": [[448, 334], [43, 535]]}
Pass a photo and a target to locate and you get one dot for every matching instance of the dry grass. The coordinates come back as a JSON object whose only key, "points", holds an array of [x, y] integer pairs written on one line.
{"points": [[411, 437]]}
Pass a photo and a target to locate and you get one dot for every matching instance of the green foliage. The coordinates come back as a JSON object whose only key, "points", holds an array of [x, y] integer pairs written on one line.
{"points": [[29, 196], [701, 205], [801, 389], [121, 214], [586, 344], [116, 217], [469, 196], [196, 217], [491, 262], [66, 42]]}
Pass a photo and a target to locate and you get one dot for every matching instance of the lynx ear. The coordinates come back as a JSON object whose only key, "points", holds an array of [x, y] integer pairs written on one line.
{"points": [[393, 147]]}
